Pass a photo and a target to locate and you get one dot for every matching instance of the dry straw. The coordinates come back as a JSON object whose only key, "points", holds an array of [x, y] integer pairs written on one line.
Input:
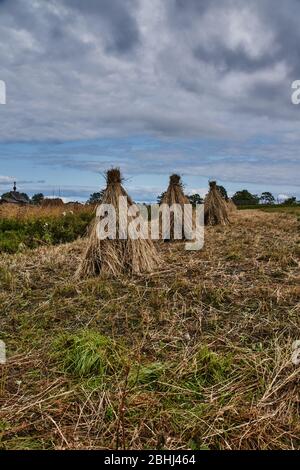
{"points": [[172, 197], [55, 202], [231, 206], [115, 257], [174, 193], [215, 208]]}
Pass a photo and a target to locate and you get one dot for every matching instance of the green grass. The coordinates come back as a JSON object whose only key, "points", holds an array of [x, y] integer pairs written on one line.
{"points": [[18, 234], [148, 375], [207, 368], [288, 209], [88, 353], [25, 443]]}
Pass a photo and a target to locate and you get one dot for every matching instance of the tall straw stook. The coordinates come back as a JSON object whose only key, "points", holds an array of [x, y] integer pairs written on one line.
{"points": [[175, 198], [215, 207], [117, 256]]}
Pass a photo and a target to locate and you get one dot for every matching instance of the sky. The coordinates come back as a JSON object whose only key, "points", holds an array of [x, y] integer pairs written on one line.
{"points": [[197, 87]]}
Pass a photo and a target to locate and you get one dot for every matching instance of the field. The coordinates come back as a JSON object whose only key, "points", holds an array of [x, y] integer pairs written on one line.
{"points": [[194, 356], [33, 226], [288, 209]]}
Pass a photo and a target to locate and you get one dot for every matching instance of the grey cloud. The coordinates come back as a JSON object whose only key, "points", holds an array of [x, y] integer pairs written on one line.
{"points": [[117, 18], [169, 69], [274, 33], [64, 79], [227, 60], [183, 9], [279, 17]]}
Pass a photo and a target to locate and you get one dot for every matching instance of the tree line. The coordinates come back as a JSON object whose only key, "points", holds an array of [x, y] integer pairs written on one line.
{"points": [[243, 197], [240, 198]]}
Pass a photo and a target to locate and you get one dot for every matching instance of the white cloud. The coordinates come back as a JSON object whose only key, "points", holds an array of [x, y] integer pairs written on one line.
{"points": [[6, 179]]}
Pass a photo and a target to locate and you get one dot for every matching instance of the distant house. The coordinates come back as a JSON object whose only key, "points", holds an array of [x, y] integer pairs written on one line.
{"points": [[14, 197]]}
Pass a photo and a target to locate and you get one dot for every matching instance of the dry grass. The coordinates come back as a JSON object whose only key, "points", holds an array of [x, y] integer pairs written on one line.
{"points": [[55, 202], [197, 355], [11, 211]]}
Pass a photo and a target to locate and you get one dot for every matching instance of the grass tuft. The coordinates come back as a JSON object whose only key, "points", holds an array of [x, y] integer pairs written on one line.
{"points": [[207, 368], [87, 353]]}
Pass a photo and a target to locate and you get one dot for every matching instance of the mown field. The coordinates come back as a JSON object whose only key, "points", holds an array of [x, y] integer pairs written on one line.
{"points": [[194, 356]]}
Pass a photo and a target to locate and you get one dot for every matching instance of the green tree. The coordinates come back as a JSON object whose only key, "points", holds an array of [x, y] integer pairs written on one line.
{"points": [[290, 201], [267, 198], [195, 199], [160, 197], [95, 197], [37, 199], [25, 196], [244, 197]]}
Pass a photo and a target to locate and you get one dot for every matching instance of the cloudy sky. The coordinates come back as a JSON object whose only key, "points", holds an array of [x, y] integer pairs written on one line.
{"points": [[200, 87]]}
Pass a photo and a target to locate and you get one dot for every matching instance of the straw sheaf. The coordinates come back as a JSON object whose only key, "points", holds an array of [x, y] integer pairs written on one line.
{"points": [[231, 206], [175, 195], [116, 257], [215, 208]]}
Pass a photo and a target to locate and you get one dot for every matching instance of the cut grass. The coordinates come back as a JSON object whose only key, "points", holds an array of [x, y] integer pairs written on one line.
{"points": [[207, 339]]}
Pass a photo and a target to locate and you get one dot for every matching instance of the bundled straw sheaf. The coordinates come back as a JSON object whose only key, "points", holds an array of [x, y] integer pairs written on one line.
{"points": [[175, 195], [215, 207], [231, 206], [116, 256]]}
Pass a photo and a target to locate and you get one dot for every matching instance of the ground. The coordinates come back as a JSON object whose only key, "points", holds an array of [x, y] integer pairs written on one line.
{"points": [[194, 356]]}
